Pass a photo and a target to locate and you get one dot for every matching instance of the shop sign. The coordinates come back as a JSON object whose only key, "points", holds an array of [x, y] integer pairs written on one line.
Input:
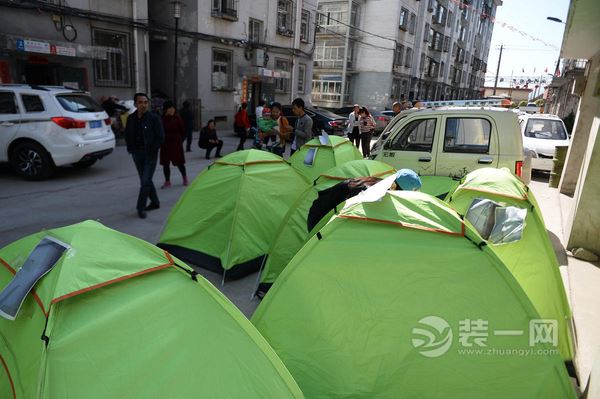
{"points": [[33, 46], [63, 50]]}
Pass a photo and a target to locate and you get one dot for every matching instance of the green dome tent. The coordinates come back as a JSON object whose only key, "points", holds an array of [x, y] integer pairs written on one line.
{"points": [[531, 259], [293, 231], [120, 318], [227, 218], [395, 299], [323, 153]]}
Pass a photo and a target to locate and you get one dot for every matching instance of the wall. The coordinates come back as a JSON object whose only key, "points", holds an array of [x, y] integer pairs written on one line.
{"points": [[584, 223], [589, 107]]}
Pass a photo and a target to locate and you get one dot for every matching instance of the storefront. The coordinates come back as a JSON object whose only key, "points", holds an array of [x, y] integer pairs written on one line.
{"points": [[42, 62]]}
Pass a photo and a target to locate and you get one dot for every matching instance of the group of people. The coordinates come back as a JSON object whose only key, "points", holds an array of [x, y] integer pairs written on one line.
{"points": [[360, 128], [146, 135], [273, 130]]}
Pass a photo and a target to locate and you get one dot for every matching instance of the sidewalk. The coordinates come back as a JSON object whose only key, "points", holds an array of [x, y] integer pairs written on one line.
{"points": [[581, 279]]}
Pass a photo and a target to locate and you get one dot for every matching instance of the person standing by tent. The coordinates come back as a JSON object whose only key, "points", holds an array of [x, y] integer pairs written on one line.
{"points": [[143, 136], [241, 125], [304, 124], [172, 149], [353, 128], [367, 126], [283, 129], [209, 140], [188, 120]]}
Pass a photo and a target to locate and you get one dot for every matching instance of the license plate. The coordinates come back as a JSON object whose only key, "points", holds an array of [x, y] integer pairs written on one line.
{"points": [[95, 124]]}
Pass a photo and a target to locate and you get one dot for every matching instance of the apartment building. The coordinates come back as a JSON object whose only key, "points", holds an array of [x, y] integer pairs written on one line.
{"points": [[232, 51], [98, 46], [378, 52]]}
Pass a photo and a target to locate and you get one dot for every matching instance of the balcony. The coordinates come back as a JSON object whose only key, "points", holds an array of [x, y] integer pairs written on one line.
{"points": [[229, 13]]}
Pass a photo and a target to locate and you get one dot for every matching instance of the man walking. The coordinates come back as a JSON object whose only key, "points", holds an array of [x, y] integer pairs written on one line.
{"points": [[304, 123], [144, 135]]}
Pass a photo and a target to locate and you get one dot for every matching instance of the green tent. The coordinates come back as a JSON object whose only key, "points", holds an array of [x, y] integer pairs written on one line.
{"points": [[323, 153], [438, 186], [227, 218], [531, 259], [395, 298], [120, 318], [293, 231]]}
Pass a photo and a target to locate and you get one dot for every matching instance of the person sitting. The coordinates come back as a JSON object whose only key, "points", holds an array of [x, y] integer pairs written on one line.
{"points": [[209, 139], [407, 180], [265, 125]]}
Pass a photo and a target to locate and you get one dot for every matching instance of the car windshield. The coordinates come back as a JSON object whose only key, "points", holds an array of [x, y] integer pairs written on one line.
{"points": [[548, 129], [78, 103]]}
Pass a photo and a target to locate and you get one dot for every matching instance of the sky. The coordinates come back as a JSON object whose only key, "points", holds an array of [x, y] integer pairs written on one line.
{"points": [[522, 52]]}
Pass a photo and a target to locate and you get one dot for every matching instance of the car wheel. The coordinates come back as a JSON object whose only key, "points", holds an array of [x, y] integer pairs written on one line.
{"points": [[84, 164], [31, 161]]}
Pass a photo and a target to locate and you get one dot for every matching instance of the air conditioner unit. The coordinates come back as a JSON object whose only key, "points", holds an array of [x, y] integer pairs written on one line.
{"points": [[258, 58]]}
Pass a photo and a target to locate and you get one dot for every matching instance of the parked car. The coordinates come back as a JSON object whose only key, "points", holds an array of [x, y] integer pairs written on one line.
{"points": [[542, 133], [322, 120], [452, 141], [382, 119], [42, 127]]}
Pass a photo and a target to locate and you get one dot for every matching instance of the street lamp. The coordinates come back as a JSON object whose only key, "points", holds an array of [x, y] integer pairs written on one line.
{"points": [[560, 21], [176, 15]]}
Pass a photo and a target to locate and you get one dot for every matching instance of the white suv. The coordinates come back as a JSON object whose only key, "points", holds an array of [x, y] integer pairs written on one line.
{"points": [[46, 126], [542, 133]]}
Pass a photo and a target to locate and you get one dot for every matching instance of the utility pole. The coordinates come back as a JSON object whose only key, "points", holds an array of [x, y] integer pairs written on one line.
{"points": [[176, 15], [346, 45], [498, 69]]}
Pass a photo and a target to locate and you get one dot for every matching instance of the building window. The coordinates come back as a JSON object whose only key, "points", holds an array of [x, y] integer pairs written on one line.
{"points": [[304, 26], [282, 83], [463, 34], [441, 13], [433, 68], [301, 77], [430, 5], [395, 90], [408, 58], [467, 135], [255, 29], [226, 9], [398, 55], [412, 24], [437, 41], [446, 44], [285, 20], [442, 67], [422, 62], [328, 88], [450, 19], [332, 17], [403, 19], [222, 67], [329, 53], [426, 33], [115, 69]]}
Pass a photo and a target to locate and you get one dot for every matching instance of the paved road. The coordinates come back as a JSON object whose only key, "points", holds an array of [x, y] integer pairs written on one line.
{"points": [[106, 192]]}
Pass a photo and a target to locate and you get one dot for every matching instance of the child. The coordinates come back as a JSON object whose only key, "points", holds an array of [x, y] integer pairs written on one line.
{"points": [[265, 125]]}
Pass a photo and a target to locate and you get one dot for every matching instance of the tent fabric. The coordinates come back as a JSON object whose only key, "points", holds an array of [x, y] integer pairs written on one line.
{"points": [[227, 218], [347, 314], [531, 259], [337, 151], [438, 186], [129, 328], [292, 232]]}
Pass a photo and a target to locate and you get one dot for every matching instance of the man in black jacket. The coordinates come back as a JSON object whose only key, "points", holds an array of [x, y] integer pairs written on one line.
{"points": [[144, 135]]}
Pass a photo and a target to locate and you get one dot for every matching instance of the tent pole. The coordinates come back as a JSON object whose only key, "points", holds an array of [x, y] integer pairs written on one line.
{"points": [[223, 279], [262, 265]]}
